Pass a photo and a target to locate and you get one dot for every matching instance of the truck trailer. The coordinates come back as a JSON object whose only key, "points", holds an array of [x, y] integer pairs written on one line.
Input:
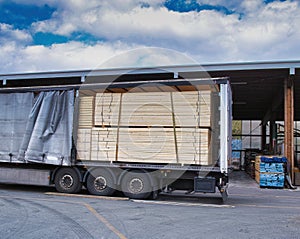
{"points": [[136, 134]]}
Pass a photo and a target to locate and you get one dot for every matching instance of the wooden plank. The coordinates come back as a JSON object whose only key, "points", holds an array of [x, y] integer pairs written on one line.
{"points": [[103, 146], [257, 176], [134, 90], [192, 108], [150, 88], [151, 145], [83, 144], [144, 109], [86, 111], [186, 88], [107, 109], [155, 145], [118, 90], [166, 88], [193, 146]]}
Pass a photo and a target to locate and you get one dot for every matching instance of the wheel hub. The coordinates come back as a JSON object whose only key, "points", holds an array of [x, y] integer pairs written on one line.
{"points": [[67, 181], [136, 185], [100, 183]]}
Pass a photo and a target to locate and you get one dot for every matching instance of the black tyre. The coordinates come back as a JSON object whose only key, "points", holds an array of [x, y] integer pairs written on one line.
{"points": [[136, 185], [67, 180], [100, 182]]}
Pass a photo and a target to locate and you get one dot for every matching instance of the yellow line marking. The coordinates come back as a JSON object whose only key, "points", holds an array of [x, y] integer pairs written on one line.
{"points": [[89, 207], [104, 221], [87, 196]]}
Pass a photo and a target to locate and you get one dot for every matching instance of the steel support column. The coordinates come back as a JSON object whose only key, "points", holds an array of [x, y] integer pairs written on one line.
{"points": [[289, 122], [273, 137], [263, 136]]}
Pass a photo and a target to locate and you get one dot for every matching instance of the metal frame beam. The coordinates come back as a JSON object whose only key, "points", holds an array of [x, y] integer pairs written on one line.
{"points": [[176, 69]]}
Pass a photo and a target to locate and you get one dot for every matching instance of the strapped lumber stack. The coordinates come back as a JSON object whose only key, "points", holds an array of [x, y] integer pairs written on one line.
{"points": [[192, 108], [146, 109], [84, 144], [86, 109], [107, 109], [193, 146], [270, 171], [147, 127], [85, 124], [147, 145], [103, 145]]}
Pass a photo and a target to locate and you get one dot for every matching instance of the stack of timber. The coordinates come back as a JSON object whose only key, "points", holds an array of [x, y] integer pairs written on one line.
{"points": [[144, 127], [269, 171], [107, 109], [249, 160], [84, 144], [104, 144], [193, 145], [146, 109], [86, 109], [85, 124], [144, 145], [192, 108]]}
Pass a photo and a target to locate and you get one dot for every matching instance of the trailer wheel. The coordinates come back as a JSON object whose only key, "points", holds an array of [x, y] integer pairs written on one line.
{"points": [[136, 185], [100, 182], [67, 180]]}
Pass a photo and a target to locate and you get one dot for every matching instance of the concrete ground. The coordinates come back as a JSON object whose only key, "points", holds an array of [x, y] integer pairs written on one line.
{"points": [[250, 212]]}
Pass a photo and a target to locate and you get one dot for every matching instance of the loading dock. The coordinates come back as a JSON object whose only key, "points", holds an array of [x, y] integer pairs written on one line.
{"points": [[268, 92]]}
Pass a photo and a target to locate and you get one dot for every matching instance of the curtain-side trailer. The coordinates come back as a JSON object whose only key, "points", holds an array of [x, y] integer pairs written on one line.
{"points": [[138, 137]]}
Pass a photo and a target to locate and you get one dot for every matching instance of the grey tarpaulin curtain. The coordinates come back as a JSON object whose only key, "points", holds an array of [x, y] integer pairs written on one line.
{"points": [[14, 112], [48, 136]]}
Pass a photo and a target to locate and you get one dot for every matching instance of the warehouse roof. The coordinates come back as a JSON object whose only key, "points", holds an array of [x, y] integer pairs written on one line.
{"points": [[257, 86]]}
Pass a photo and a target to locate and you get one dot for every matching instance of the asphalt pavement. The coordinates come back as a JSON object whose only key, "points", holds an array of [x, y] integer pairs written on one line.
{"points": [[249, 212]]}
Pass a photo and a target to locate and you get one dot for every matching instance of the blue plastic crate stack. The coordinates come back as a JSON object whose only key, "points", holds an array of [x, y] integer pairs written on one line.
{"points": [[270, 171]]}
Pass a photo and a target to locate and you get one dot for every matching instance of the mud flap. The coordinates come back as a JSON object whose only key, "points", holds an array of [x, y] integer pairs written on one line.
{"points": [[224, 194]]}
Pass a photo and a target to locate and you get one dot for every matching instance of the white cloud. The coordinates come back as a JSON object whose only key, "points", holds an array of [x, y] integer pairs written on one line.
{"points": [[272, 27], [75, 55], [157, 25], [72, 55], [9, 34]]}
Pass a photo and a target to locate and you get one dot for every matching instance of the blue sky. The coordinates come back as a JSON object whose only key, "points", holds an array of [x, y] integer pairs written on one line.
{"points": [[50, 35]]}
